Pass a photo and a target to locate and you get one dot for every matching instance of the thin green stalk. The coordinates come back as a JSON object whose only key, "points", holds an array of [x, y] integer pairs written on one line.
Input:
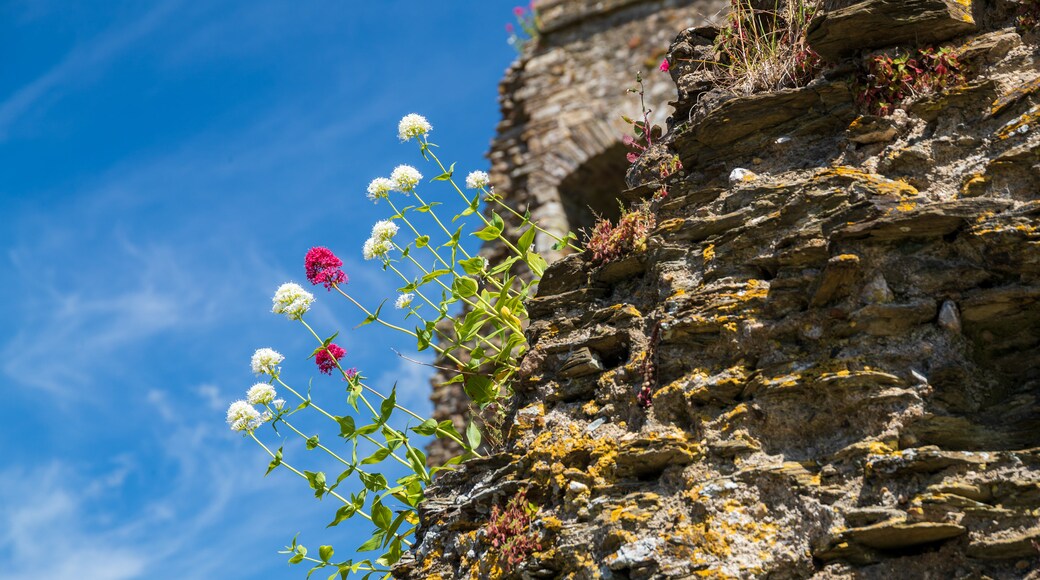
{"points": [[300, 473], [415, 231], [498, 201], [433, 155], [323, 412], [488, 307], [326, 489], [377, 393], [438, 349]]}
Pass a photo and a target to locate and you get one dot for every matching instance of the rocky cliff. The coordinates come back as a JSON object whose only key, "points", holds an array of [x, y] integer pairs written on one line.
{"points": [[840, 343]]}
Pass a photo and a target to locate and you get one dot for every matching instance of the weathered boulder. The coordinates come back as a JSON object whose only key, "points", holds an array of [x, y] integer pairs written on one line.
{"points": [[845, 28]]}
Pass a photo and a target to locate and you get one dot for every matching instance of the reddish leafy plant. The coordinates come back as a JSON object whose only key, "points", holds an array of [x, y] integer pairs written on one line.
{"points": [[890, 81], [1028, 15], [609, 242], [510, 531]]}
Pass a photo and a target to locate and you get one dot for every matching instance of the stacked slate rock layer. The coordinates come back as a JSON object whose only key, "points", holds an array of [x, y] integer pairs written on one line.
{"points": [[843, 349]]}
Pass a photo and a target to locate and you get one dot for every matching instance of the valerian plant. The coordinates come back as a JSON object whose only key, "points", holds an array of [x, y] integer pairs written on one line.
{"points": [[438, 276]]}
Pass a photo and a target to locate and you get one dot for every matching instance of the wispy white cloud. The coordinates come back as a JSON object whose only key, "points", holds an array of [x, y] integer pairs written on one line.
{"points": [[43, 529], [77, 328], [88, 58]]}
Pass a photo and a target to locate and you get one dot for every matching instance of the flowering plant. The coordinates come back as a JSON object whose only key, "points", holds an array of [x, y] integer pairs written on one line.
{"points": [[527, 28], [482, 346]]}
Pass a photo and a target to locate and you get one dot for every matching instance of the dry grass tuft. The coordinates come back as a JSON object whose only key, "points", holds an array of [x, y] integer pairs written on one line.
{"points": [[761, 46]]}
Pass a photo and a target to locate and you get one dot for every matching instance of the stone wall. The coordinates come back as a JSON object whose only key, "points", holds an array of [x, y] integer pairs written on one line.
{"points": [[558, 150], [842, 347]]}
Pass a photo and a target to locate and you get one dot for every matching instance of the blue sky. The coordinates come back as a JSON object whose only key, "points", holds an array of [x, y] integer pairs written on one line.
{"points": [[164, 166]]}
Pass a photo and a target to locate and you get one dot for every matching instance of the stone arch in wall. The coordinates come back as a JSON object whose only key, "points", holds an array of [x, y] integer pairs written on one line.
{"points": [[591, 191]]}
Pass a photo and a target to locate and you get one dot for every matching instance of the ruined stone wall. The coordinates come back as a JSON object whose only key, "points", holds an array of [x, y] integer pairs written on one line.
{"points": [[842, 347], [558, 150]]}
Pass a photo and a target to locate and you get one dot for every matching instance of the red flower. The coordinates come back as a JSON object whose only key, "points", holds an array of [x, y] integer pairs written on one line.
{"points": [[518, 11], [664, 65], [327, 357], [509, 28], [323, 267]]}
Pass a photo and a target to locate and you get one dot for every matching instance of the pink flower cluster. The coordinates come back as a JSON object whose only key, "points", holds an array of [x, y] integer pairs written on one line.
{"points": [[323, 267], [327, 357]]}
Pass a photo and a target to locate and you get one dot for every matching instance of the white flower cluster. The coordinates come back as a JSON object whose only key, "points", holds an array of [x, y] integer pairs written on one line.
{"points": [[381, 241], [380, 188], [265, 361], [292, 300], [477, 180], [261, 394], [241, 416], [404, 178], [404, 301], [412, 126]]}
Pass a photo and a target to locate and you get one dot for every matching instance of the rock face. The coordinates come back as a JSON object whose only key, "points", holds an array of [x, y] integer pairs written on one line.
{"points": [[843, 353], [558, 151]]}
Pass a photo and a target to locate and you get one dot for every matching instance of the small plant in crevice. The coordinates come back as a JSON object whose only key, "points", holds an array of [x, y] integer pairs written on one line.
{"points": [[891, 80], [609, 242], [510, 531], [765, 49], [527, 28], [644, 133], [1027, 17]]}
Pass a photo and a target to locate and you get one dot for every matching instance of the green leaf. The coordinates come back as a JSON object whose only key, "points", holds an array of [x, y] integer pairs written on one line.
{"points": [[480, 388], [498, 222], [346, 473], [387, 407], [446, 175], [474, 204], [426, 428], [447, 427], [400, 519], [473, 435], [312, 442], [426, 208], [317, 482], [394, 554], [381, 515], [373, 481], [473, 266], [277, 461], [433, 276], [503, 266], [368, 319], [526, 239], [346, 427], [324, 344], [423, 336], [422, 241], [563, 243], [380, 454], [296, 559], [489, 233], [373, 543], [537, 264], [325, 552], [368, 429], [464, 286], [417, 458]]}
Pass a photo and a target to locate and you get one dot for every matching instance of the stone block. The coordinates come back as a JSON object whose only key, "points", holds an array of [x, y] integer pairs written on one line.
{"points": [[874, 24]]}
